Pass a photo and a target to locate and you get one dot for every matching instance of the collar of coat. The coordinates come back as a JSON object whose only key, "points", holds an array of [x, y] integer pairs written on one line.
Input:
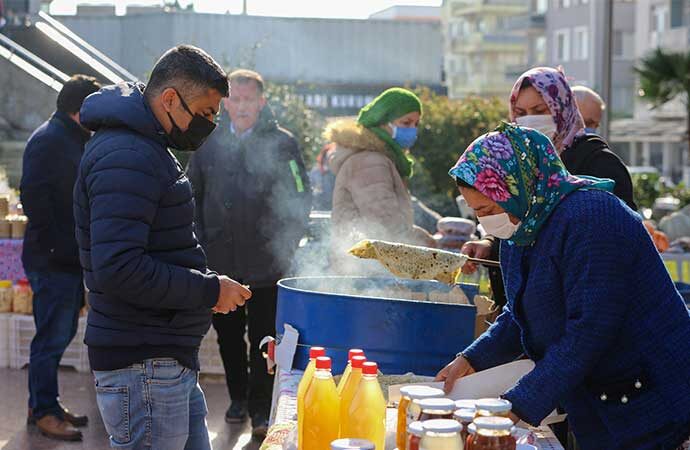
{"points": [[349, 138]]}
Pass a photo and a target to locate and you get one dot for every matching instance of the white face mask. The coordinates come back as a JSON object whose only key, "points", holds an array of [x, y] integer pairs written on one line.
{"points": [[543, 123], [499, 225]]}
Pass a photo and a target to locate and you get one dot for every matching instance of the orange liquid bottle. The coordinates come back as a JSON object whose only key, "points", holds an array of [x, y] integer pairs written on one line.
{"points": [[348, 369], [367, 413], [350, 388], [321, 422], [304, 383]]}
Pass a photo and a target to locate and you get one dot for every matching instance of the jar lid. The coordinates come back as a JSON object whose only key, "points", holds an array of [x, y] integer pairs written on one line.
{"points": [[494, 405], [352, 444], [493, 423], [23, 282], [437, 404], [416, 428], [441, 426], [465, 404], [420, 392], [5, 284], [465, 415]]}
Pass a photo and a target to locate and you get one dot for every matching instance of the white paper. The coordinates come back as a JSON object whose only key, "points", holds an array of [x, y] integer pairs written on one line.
{"points": [[285, 350]]}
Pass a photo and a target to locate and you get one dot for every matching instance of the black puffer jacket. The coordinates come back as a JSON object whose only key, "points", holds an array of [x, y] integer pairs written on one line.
{"points": [[252, 200]]}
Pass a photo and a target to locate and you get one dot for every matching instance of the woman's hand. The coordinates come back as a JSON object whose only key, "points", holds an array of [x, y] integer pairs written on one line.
{"points": [[475, 249], [460, 367]]}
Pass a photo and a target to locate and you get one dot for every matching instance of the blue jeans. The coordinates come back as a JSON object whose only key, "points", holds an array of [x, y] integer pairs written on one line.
{"points": [[58, 297], [156, 404]]}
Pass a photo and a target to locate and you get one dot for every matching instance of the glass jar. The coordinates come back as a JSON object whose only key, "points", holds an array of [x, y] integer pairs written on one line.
{"points": [[432, 408], [465, 418], [489, 407], [407, 395], [5, 296], [465, 404], [352, 444], [414, 434], [491, 433], [441, 434], [22, 297]]}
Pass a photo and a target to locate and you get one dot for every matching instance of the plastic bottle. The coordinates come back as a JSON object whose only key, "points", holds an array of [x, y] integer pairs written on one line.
{"points": [[304, 383], [350, 388], [352, 444], [348, 369], [367, 415], [321, 423]]}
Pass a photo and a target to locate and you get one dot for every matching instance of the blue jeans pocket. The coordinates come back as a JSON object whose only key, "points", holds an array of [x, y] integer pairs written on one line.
{"points": [[167, 371], [113, 403]]}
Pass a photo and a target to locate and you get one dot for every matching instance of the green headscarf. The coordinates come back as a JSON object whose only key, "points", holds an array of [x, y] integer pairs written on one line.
{"points": [[390, 105]]}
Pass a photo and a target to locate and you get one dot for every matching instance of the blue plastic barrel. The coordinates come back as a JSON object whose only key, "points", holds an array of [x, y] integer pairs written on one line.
{"points": [[684, 290], [400, 335]]}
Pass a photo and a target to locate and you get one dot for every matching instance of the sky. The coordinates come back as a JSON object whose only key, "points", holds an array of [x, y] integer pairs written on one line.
{"points": [[352, 9]]}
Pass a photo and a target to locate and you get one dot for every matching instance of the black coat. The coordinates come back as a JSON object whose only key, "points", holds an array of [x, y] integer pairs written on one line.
{"points": [[150, 291], [50, 165], [590, 155], [252, 200]]}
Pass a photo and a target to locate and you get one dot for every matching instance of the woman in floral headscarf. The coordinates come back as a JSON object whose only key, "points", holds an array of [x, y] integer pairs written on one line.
{"points": [[609, 333]]}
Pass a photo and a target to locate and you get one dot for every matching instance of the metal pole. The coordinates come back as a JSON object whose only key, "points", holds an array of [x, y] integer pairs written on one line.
{"points": [[607, 51], [244, 7]]}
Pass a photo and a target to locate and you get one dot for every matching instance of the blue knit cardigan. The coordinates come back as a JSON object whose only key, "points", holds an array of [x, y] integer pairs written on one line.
{"points": [[591, 303]]}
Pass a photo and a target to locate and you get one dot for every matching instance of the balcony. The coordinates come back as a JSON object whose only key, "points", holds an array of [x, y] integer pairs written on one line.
{"points": [[527, 22], [478, 42], [496, 7]]}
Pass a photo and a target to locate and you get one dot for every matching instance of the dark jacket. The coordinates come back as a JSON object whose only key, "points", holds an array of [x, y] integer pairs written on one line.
{"points": [[150, 291], [590, 155], [595, 322], [253, 200], [50, 164]]}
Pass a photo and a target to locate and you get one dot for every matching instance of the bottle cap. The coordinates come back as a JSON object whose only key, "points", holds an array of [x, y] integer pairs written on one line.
{"points": [[323, 363], [370, 368], [354, 352], [315, 352], [442, 426], [358, 361], [493, 423], [494, 405], [420, 392]]}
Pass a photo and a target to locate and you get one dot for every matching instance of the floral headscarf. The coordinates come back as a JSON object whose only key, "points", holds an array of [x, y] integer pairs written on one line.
{"points": [[519, 169], [555, 90]]}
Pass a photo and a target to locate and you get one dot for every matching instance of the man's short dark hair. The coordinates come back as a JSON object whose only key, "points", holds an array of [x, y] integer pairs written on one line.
{"points": [[188, 69], [246, 76], [74, 91]]}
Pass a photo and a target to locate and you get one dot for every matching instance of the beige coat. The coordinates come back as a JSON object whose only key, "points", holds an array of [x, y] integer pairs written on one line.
{"points": [[370, 199]]}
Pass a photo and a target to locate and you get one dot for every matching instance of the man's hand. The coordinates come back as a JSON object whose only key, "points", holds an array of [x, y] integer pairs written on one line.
{"points": [[460, 367], [232, 295], [475, 249]]}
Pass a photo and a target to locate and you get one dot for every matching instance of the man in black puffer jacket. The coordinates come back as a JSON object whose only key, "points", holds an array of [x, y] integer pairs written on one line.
{"points": [[151, 293]]}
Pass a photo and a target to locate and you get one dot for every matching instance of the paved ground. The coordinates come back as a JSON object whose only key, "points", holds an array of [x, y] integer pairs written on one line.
{"points": [[76, 390]]}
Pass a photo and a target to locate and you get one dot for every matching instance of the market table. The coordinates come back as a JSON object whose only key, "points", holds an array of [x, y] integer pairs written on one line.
{"points": [[284, 416]]}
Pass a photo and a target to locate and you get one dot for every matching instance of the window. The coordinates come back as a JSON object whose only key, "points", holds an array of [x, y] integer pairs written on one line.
{"points": [[542, 6], [540, 50], [581, 49], [562, 40], [659, 18], [618, 44], [564, 3], [677, 13]]}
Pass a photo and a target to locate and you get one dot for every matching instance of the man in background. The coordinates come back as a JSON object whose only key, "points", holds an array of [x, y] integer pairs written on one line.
{"points": [[50, 254], [591, 107], [253, 200]]}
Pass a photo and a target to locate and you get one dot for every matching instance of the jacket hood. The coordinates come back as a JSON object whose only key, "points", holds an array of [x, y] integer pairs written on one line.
{"points": [[349, 138], [121, 106]]}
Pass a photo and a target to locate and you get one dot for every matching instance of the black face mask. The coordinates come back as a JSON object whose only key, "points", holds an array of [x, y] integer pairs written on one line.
{"points": [[195, 135]]}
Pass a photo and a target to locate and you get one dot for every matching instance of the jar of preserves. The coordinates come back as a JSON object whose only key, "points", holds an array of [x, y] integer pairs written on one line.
{"points": [[441, 434], [5, 296], [22, 298], [465, 404], [408, 394], [491, 433], [432, 408], [488, 407], [414, 435], [465, 418]]}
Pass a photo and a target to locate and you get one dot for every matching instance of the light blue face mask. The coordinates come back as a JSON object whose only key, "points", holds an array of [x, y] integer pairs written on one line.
{"points": [[404, 136]]}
